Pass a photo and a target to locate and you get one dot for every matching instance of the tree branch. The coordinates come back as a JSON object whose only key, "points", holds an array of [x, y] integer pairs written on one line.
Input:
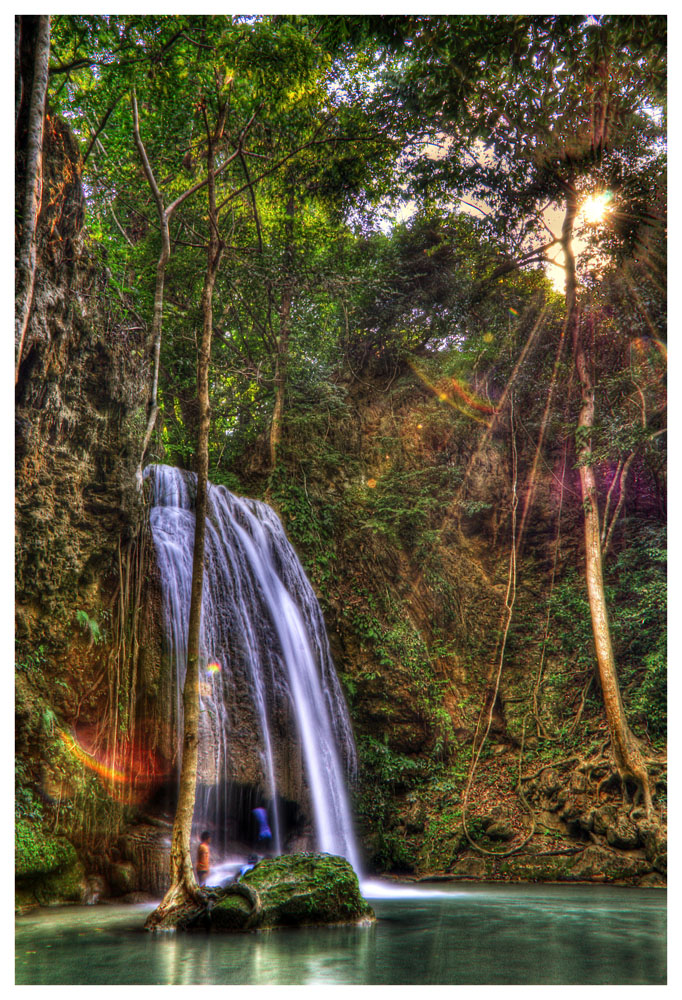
{"points": [[100, 127], [619, 505]]}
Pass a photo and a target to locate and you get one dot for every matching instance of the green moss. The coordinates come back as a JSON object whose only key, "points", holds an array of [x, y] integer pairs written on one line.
{"points": [[63, 887], [47, 868], [231, 914], [443, 838], [391, 851], [37, 854], [297, 889], [385, 776]]}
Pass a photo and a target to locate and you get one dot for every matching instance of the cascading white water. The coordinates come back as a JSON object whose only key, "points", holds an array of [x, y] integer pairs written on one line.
{"points": [[262, 625]]}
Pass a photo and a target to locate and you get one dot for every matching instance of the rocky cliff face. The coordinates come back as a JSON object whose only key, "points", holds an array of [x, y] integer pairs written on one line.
{"points": [[80, 404]]}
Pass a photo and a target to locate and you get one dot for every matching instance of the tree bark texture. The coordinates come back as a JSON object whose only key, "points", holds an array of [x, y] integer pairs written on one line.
{"points": [[154, 346], [282, 349], [281, 367], [26, 258], [183, 883], [627, 755]]}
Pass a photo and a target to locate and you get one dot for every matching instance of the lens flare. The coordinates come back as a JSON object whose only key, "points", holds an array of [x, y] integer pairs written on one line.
{"points": [[461, 397], [132, 781], [594, 208], [470, 398], [83, 757], [214, 668]]}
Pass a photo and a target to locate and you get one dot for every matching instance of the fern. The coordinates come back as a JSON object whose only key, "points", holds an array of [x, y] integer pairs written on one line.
{"points": [[90, 626]]}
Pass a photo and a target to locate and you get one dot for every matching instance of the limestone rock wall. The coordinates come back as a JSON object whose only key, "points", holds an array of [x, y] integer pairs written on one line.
{"points": [[79, 523], [80, 402]]}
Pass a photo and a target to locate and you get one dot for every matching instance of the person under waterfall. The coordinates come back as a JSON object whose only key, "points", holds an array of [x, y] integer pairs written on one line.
{"points": [[203, 858], [264, 838]]}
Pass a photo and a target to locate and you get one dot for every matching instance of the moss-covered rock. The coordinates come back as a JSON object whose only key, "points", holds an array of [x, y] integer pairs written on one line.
{"points": [[68, 886], [123, 878], [623, 834], [47, 869], [37, 855], [293, 890], [653, 836]]}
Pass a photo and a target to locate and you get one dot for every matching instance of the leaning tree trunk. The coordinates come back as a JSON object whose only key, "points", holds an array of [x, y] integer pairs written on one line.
{"points": [[626, 751], [184, 891], [26, 258]]}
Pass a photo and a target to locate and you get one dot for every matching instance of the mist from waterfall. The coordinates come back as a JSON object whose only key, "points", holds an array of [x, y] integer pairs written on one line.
{"points": [[262, 629]]}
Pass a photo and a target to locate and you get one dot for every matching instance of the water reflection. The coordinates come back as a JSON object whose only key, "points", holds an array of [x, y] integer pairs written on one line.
{"points": [[482, 935]]}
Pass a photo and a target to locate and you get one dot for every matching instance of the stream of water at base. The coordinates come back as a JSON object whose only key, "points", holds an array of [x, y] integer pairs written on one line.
{"points": [[481, 934]]}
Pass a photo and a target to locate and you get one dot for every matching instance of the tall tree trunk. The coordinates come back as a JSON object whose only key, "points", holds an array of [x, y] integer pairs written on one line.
{"points": [[165, 214], [154, 345], [183, 888], [281, 369], [282, 350], [26, 258], [626, 751], [18, 79]]}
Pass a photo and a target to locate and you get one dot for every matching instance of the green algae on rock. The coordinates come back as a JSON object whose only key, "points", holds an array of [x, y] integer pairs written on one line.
{"points": [[47, 869], [293, 890], [38, 854]]}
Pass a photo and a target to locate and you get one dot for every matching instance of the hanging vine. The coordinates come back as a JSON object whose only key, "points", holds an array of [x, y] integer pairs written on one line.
{"points": [[557, 541], [510, 599], [123, 665]]}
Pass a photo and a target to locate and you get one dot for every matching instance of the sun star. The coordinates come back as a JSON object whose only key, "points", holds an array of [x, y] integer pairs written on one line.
{"points": [[594, 208]]}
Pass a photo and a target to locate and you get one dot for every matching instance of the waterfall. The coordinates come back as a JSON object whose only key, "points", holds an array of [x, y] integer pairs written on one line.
{"points": [[267, 681]]}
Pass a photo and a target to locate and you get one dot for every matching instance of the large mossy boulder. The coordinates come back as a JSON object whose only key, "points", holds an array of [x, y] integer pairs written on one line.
{"points": [[46, 867], [37, 854], [293, 890]]}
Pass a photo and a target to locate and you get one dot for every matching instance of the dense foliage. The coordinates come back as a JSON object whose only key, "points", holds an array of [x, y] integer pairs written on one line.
{"points": [[393, 360]]}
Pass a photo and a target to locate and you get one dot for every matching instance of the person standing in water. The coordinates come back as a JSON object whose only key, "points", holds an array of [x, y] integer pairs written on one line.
{"points": [[203, 858], [264, 832]]}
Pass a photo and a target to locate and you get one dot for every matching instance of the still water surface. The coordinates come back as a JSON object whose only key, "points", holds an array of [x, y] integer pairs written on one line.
{"points": [[478, 934]]}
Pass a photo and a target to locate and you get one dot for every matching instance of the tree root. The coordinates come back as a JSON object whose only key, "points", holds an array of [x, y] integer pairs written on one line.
{"points": [[605, 772], [560, 850], [581, 706], [500, 854], [181, 904], [186, 909], [246, 892], [551, 763], [606, 780]]}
